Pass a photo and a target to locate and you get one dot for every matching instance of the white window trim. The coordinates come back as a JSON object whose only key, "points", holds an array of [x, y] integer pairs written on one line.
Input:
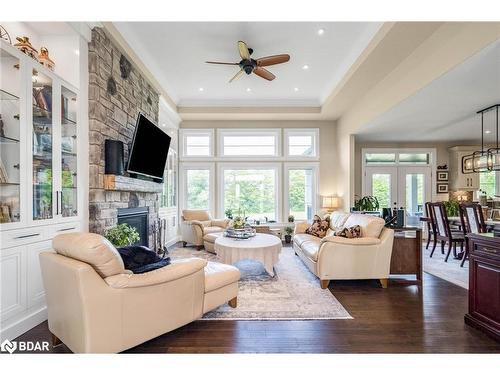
{"points": [[183, 168], [250, 132], [286, 186], [184, 133], [301, 131], [397, 151], [239, 165]]}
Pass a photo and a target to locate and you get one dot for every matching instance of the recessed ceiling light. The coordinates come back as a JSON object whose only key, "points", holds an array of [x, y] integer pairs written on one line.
{"points": [[305, 67], [487, 131], [321, 32], [295, 89], [249, 89], [201, 89]]}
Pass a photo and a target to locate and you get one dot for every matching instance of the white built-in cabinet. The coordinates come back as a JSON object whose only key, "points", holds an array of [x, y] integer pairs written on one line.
{"points": [[460, 181], [41, 192]]}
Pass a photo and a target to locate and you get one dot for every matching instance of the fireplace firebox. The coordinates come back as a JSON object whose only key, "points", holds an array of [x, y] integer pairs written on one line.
{"points": [[137, 218]]}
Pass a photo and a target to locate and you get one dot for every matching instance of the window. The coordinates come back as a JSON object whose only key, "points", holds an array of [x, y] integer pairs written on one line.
{"points": [[414, 158], [250, 191], [197, 186], [236, 143], [382, 158], [487, 183], [197, 143], [381, 189], [301, 183], [302, 143]]}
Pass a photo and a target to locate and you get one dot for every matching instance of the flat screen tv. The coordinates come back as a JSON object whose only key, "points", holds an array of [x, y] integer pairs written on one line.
{"points": [[148, 154]]}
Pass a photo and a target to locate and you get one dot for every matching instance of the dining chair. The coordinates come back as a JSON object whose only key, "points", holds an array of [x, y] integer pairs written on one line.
{"points": [[443, 231], [431, 228], [472, 218]]}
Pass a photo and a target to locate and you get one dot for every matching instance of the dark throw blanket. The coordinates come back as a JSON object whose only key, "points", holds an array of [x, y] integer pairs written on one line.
{"points": [[140, 259]]}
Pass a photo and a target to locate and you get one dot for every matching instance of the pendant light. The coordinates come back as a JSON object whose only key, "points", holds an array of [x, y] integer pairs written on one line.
{"points": [[494, 153]]}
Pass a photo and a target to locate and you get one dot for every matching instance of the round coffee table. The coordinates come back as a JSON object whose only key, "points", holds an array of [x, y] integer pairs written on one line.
{"points": [[264, 248]]}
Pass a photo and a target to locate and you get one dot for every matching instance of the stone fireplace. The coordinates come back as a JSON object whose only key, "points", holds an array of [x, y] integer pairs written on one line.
{"points": [[113, 116]]}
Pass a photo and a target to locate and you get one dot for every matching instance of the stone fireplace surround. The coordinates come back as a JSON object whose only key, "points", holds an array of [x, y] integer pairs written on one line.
{"points": [[114, 117]]}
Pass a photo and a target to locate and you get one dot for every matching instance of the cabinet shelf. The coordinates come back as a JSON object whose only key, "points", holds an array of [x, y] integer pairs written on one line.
{"points": [[5, 95], [9, 183], [8, 140]]}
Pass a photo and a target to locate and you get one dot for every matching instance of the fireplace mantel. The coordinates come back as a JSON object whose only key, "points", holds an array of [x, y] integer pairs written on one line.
{"points": [[122, 183]]}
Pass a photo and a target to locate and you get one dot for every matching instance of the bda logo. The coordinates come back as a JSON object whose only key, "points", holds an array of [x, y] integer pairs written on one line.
{"points": [[8, 346]]}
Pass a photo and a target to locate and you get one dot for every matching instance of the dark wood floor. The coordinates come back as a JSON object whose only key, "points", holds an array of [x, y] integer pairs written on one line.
{"points": [[400, 319]]}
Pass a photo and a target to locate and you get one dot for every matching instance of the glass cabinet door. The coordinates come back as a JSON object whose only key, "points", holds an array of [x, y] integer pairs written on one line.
{"points": [[10, 105], [68, 199], [42, 146]]}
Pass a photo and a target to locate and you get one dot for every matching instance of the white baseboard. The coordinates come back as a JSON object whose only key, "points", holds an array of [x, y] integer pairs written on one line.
{"points": [[17, 328], [173, 241]]}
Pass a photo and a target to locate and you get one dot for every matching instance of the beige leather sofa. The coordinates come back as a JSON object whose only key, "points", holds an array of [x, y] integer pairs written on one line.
{"points": [[195, 224], [95, 305], [339, 258]]}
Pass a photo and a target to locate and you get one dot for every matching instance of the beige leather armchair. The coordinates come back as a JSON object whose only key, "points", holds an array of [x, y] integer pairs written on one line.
{"points": [[195, 224], [95, 305], [339, 258]]}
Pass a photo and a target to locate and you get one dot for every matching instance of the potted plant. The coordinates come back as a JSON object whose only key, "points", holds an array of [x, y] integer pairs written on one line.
{"points": [[367, 203], [288, 234], [122, 235], [238, 222], [452, 208], [229, 213], [291, 218]]}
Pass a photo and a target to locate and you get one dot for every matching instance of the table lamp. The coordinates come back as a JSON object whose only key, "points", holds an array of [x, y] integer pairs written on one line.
{"points": [[330, 203]]}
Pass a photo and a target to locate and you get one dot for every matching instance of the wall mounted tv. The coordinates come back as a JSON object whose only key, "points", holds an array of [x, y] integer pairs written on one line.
{"points": [[148, 154]]}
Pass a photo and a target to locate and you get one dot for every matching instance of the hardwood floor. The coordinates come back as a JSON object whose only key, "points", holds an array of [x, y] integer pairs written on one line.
{"points": [[399, 319]]}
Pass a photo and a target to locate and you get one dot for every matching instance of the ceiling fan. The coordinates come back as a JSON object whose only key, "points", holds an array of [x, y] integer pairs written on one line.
{"points": [[248, 65]]}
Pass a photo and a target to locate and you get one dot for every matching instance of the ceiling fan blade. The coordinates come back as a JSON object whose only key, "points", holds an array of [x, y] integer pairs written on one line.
{"points": [[237, 75], [273, 60], [266, 74], [221, 63], [244, 52]]}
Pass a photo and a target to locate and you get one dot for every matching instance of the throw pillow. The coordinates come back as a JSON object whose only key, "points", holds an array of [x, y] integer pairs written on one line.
{"points": [[318, 227], [351, 232], [140, 259]]}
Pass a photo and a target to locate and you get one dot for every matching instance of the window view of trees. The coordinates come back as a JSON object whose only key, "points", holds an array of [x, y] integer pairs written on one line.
{"points": [[381, 189], [251, 191], [198, 188], [487, 183], [300, 193]]}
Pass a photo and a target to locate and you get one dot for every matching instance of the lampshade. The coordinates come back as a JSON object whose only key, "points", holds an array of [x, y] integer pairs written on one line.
{"points": [[330, 202]]}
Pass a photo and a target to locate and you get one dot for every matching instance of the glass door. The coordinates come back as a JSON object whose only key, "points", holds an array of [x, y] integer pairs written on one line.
{"points": [[10, 138], [68, 195], [381, 182], [414, 190], [42, 144]]}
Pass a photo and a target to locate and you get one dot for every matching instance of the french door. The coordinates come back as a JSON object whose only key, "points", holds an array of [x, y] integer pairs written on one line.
{"points": [[402, 186]]}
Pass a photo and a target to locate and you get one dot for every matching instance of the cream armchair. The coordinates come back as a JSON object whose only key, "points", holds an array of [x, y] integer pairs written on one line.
{"points": [[339, 258], [195, 224], [95, 305]]}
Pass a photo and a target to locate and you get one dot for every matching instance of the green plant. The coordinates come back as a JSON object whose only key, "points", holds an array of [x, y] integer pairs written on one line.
{"points": [[288, 231], [122, 235], [229, 213], [452, 208], [291, 218], [366, 203], [239, 222]]}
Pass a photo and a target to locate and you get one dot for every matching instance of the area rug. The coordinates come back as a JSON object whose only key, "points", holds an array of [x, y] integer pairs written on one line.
{"points": [[293, 294], [449, 271]]}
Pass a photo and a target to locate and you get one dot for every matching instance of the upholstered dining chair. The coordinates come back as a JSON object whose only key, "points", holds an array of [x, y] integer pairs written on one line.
{"points": [[443, 231], [431, 227], [472, 219]]}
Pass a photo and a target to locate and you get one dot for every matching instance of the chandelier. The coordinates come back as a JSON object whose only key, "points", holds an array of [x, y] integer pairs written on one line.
{"points": [[483, 160]]}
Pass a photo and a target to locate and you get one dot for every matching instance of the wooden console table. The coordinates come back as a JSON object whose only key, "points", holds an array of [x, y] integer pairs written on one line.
{"points": [[484, 283], [406, 256]]}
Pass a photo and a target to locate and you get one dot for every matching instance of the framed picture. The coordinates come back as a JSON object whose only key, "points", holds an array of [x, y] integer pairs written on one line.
{"points": [[442, 175], [442, 188]]}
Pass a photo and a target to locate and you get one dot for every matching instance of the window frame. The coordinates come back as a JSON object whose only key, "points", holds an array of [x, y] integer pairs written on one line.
{"points": [[221, 133], [286, 185], [185, 133], [314, 132], [221, 167], [183, 168]]}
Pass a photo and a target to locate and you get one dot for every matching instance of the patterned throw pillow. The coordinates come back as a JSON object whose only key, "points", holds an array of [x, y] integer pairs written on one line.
{"points": [[319, 227], [351, 232]]}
